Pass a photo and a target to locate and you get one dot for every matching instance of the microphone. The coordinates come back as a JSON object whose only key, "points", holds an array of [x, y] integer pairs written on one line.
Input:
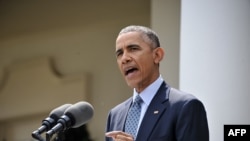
{"points": [[75, 116], [50, 121]]}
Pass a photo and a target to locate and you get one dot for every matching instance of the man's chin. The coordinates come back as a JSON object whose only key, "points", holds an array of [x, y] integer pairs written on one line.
{"points": [[132, 84]]}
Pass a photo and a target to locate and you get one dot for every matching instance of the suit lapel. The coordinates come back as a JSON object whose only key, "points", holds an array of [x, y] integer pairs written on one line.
{"points": [[156, 108]]}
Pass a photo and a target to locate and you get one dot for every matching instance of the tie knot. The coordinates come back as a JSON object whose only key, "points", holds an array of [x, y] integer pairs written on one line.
{"points": [[138, 100]]}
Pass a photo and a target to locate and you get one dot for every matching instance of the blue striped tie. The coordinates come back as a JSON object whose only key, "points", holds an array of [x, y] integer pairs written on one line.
{"points": [[133, 117]]}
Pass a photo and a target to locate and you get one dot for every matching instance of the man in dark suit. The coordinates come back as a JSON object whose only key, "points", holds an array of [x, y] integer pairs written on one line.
{"points": [[166, 114]]}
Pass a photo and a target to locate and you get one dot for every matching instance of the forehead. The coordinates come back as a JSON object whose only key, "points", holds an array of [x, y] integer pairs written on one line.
{"points": [[128, 38]]}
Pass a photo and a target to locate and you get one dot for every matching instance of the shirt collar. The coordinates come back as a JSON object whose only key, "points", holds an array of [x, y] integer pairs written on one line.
{"points": [[148, 93]]}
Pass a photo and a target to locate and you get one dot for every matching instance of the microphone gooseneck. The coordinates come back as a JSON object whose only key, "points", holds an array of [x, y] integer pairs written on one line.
{"points": [[50, 121], [75, 116]]}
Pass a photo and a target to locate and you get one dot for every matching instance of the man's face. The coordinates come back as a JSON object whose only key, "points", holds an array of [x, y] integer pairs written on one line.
{"points": [[136, 60]]}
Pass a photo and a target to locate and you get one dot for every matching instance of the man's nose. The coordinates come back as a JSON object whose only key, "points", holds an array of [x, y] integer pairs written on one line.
{"points": [[126, 58]]}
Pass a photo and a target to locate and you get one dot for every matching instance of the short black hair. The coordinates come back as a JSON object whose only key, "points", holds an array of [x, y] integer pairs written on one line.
{"points": [[149, 33]]}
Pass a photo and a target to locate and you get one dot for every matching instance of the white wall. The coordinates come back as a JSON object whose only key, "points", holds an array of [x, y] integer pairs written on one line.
{"points": [[215, 59]]}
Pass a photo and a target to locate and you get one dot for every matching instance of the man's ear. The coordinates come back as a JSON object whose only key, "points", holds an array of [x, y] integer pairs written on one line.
{"points": [[158, 54]]}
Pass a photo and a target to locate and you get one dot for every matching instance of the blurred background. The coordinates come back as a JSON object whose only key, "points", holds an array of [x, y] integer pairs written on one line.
{"points": [[57, 52]]}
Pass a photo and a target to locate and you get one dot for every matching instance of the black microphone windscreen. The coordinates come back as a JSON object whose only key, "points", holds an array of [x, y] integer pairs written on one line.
{"points": [[80, 112], [59, 111]]}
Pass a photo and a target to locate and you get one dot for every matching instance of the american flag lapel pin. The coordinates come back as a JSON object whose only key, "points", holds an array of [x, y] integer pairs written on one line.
{"points": [[156, 112]]}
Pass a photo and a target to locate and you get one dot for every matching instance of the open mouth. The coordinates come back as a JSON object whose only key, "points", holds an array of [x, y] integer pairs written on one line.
{"points": [[130, 70]]}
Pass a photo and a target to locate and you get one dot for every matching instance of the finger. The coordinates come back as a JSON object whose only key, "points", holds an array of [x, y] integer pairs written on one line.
{"points": [[119, 135], [124, 137], [113, 133]]}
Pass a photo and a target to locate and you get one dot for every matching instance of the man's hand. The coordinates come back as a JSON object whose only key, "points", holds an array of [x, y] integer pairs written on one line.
{"points": [[119, 136]]}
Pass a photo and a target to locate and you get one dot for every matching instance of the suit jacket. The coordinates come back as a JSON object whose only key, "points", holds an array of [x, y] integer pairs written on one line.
{"points": [[171, 116]]}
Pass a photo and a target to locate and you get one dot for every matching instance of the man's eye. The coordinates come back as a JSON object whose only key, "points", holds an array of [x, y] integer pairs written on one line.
{"points": [[118, 54], [133, 48]]}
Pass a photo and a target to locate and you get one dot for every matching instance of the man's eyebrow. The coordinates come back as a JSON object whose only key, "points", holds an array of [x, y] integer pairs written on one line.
{"points": [[132, 45], [118, 51], [128, 47]]}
